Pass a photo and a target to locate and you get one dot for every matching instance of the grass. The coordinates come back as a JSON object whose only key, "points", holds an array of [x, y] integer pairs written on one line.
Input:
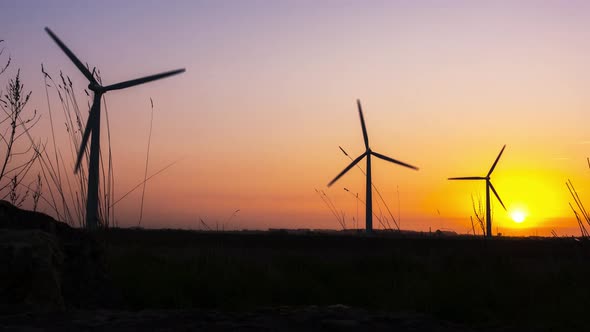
{"points": [[475, 281]]}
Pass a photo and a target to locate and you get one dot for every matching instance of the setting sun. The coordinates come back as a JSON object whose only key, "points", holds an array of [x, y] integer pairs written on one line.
{"points": [[518, 216]]}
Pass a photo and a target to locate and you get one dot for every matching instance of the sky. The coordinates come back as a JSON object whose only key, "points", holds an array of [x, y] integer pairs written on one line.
{"points": [[270, 94]]}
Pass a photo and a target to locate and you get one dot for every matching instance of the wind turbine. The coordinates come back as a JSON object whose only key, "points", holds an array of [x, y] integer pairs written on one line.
{"points": [[488, 187], [368, 152], [93, 125]]}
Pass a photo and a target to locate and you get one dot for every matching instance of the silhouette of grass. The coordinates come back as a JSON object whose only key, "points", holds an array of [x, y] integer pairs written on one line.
{"points": [[339, 215], [147, 159], [583, 212], [521, 281]]}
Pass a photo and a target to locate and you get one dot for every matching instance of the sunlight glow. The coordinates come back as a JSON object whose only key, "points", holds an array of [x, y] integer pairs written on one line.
{"points": [[518, 216]]}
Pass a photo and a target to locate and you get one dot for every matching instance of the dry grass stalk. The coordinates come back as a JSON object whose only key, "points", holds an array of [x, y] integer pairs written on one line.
{"points": [[19, 155], [479, 212], [147, 158], [581, 208], [340, 217]]}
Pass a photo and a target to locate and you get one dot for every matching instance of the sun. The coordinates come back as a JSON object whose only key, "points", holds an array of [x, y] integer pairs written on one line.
{"points": [[518, 216]]}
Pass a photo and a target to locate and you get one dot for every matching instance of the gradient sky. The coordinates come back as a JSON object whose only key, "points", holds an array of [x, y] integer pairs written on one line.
{"points": [[269, 95]]}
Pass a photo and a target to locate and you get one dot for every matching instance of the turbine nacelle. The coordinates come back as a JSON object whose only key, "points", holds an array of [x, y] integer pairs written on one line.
{"points": [[95, 87]]}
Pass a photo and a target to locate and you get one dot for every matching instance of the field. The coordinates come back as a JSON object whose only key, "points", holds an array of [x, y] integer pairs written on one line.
{"points": [[470, 281]]}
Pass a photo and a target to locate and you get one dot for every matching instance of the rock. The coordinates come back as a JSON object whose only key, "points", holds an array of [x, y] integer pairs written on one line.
{"points": [[37, 247], [13, 217], [30, 278]]}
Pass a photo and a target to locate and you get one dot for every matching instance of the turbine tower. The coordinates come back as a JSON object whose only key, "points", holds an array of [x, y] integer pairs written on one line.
{"points": [[368, 152], [489, 186], [93, 126]]}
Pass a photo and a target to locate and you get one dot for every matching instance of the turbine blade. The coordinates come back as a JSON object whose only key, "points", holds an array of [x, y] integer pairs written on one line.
{"points": [[142, 80], [365, 136], [496, 193], [71, 55], [469, 178], [354, 162], [496, 162], [90, 123], [378, 155]]}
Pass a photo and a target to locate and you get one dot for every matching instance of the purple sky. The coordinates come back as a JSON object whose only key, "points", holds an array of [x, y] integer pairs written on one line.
{"points": [[269, 95]]}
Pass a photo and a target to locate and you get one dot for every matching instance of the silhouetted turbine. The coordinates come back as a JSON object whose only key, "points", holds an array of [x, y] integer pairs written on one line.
{"points": [[93, 125], [488, 187], [368, 153]]}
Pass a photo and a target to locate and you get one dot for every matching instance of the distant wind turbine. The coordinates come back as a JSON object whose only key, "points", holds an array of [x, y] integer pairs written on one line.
{"points": [[93, 125], [488, 187], [368, 152]]}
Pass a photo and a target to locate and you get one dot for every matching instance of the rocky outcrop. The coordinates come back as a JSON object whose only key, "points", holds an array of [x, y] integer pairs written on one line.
{"points": [[12, 217], [48, 265], [30, 277]]}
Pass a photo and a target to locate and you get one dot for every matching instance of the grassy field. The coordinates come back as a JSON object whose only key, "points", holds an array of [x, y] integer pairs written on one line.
{"points": [[468, 280]]}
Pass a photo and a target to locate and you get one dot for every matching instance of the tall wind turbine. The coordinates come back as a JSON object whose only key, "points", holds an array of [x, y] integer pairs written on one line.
{"points": [[488, 187], [368, 152], [93, 125]]}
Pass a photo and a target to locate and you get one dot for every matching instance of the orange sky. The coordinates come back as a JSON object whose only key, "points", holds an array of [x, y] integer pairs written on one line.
{"points": [[269, 95]]}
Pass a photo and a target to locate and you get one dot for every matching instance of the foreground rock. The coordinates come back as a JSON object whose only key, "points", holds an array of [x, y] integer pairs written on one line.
{"points": [[30, 277], [12, 217], [48, 265]]}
